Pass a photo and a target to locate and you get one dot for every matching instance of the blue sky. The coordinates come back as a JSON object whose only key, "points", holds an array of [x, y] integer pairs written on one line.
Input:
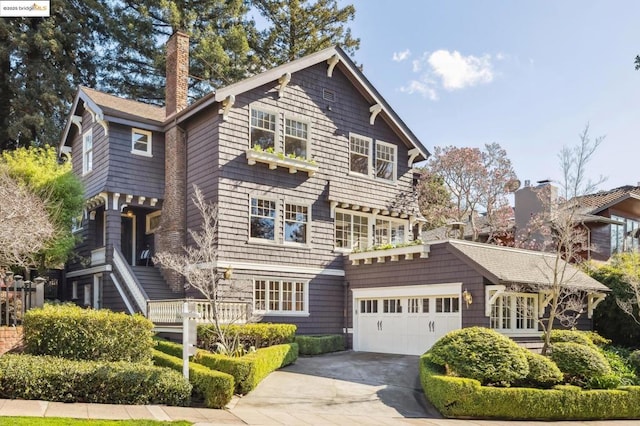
{"points": [[528, 75]]}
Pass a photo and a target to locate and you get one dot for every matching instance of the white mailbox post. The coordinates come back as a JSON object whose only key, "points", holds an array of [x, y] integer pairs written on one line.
{"points": [[189, 335]]}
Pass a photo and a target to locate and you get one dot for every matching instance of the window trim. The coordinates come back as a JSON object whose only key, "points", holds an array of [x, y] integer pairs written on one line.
{"points": [[394, 178], [308, 223], [369, 155], [87, 155], [513, 314], [150, 224], [300, 119], [280, 280], [276, 219], [276, 131], [371, 227], [149, 151]]}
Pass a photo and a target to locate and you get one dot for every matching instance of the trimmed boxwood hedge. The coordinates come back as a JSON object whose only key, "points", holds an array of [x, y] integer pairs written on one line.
{"points": [[57, 379], [581, 363], [257, 335], [315, 345], [215, 387], [71, 332], [461, 397]]}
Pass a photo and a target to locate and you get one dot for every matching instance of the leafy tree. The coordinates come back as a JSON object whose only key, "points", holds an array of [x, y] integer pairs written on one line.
{"points": [[297, 28], [475, 180], [433, 199], [42, 60], [637, 62], [219, 33], [59, 189]]}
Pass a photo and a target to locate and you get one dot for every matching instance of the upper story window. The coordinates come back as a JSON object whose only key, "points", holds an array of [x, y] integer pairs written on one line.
{"points": [[87, 151], [141, 142], [263, 129], [263, 219], [296, 220], [359, 154], [352, 231], [385, 161], [296, 138], [515, 312], [622, 236], [389, 232]]}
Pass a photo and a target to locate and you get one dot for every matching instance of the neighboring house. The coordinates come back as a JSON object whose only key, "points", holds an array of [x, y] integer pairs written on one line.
{"points": [[306, 162], [611, 218]]}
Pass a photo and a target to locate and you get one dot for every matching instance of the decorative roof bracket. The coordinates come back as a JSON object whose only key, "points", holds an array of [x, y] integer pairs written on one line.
{"points": [[227, 103], [77, 120], [374, 110], [413, 153], [491, 293], [98, 117], [593, 301], [283, 81], [332, 61]]}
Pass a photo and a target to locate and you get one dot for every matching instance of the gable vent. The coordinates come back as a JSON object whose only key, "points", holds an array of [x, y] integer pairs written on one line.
{"points": [[328, 95]]}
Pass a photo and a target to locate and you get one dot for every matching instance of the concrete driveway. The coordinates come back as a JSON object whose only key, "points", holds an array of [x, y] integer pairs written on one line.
{"points": [[343, 387]]}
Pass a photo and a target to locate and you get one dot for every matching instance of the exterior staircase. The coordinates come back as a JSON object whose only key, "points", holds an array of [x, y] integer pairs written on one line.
{"points": [[153, 283]]}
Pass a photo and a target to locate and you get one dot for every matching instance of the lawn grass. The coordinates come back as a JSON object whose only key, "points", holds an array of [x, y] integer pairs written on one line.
{"points": [[60, 421]]}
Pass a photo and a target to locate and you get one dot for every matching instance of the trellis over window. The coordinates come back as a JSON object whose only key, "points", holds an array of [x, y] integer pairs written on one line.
{"points": [[544, 297]]}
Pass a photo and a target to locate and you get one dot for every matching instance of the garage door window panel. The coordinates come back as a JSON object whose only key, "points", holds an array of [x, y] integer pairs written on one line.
{"points": [[447, 304]]}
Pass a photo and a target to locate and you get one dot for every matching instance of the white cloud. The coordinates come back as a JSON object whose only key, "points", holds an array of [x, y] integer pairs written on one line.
{"points": [[447, 70], [401, 56]]}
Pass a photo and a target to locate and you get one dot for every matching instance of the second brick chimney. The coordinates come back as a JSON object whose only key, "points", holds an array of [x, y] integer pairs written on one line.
{"points": [[177, 83]]}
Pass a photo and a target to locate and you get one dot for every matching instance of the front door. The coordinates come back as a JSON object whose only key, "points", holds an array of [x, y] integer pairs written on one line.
{"points": [[127, 238]]}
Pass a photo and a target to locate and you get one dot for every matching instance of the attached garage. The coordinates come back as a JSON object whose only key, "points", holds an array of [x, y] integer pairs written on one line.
{"points": [[404, 320]]}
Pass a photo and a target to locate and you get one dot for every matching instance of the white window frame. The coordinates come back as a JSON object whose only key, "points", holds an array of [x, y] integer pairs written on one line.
{"points": [[391, 226], [276, 130], [87, 152], [371, 228], [74, 290], [265, 310], [307, 238], [369, 154], [302, 120], [87, 294], [362, 244], [497, 318], [394, 149], [276, 218], [152, 222], [147, 152]]}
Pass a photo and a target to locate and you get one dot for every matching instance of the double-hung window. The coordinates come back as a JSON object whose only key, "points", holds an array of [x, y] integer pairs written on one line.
{"points": [[296, 138], [263, 219], [263, 129], [360, 154], [284, 296], [87, 151], [141, 142], [352, 231], [385, 161], [296, 221]]}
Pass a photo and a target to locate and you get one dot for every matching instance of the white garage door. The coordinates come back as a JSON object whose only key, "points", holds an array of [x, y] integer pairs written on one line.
{"points": [[404, 320]]}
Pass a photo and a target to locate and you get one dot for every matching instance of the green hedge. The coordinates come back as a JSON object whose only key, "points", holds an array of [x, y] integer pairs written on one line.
{"points": [[251, 369], [461, 397], [71, 332], [258, 335], [215, 387], [315, 345], [58, 379]]}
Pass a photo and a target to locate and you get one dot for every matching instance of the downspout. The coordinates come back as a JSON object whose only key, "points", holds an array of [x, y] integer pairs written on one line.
{"points": [[345, 317]]}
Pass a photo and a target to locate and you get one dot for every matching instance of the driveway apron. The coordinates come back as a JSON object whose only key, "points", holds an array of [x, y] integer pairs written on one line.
{"points": [[341, 385]]}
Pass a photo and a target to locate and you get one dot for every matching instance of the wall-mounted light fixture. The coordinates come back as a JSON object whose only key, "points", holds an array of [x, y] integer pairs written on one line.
{"points": [[228, 273], [467, 297]]}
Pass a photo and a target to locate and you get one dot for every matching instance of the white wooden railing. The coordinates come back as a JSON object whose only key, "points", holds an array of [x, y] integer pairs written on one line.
{"points": [[98, 256], [129, 281], [170, 311]]}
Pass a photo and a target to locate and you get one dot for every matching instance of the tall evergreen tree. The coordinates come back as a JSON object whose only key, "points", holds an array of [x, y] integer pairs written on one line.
{"points": [[220, 52], [297, 28], [42, 60]]}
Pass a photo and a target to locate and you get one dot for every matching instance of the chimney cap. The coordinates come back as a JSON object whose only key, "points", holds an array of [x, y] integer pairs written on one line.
{"points": [[544, 182]]}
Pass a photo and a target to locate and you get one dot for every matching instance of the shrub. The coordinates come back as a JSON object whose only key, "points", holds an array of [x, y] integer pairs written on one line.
{"points": [[543, 372], [597, 339], [481, 354], [215, 387], [579, 363], [71, 332], [573, 336], [258, 335], [315, 345], [249, 370], [58, 379], [618, 359], [466, 398], [634, 360]]}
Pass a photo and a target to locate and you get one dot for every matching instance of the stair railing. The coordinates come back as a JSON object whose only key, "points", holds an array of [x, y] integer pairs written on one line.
{"points": [[130, 282]]}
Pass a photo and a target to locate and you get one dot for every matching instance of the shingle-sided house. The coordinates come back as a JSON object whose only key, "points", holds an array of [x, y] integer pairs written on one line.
{"points": [[306, 162]]}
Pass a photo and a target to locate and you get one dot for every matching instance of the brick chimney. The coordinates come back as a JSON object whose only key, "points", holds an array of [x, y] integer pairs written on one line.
{"points": [[171, 234], [177, 83]]}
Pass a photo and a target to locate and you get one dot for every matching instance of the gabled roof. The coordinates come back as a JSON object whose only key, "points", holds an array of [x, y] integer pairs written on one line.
{"points": [[345, 64], [115, 109], [506, 265], [599, 201]]}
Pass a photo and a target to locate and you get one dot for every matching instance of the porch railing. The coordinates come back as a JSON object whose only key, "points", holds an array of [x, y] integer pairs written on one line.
{"points": [[130, 283], [170, 311]]}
